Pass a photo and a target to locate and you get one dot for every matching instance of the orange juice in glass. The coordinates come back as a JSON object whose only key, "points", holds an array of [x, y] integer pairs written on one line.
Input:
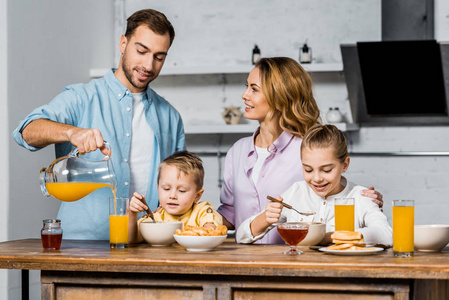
{"points": [[118, 222], [403, 227], [344, 214]]}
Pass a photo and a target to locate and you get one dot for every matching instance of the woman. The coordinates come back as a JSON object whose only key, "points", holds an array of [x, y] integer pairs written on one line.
{"points": [[278, 95]]}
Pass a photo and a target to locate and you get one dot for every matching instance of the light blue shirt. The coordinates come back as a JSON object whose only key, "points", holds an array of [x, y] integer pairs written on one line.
{"points": [[106, 104]]}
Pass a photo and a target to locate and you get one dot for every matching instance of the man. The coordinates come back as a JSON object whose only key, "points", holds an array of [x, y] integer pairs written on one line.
{"points": [[141, 126]]}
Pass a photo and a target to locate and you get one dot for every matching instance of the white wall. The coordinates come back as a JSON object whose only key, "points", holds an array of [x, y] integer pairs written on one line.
{"points": [[4, 133], [223, 32], [50, 44], [442, 20]]}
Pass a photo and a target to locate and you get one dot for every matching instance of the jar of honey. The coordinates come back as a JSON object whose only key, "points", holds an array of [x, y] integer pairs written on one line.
{"points": [[51, 234]]}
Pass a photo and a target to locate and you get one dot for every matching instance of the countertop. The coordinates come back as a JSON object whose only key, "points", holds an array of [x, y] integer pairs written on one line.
{"points": [[227, 259]]}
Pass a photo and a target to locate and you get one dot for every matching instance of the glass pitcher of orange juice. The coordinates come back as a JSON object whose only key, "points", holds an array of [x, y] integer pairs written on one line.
{"points": [[70, 178]]}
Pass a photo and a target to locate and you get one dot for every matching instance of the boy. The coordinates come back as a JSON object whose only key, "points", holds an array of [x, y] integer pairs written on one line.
{"points": [[180, 187]]}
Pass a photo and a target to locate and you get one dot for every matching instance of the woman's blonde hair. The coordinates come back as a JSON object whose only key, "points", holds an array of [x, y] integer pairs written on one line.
{"points": [[188, 163], [287, 88], [323, 136]]}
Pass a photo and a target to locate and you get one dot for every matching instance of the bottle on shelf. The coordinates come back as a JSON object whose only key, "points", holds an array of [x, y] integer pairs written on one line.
{"points": [[256, 55], [305, 55]]}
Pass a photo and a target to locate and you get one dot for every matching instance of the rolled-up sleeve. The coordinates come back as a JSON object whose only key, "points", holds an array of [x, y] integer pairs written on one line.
{"points": [[64, 108]]}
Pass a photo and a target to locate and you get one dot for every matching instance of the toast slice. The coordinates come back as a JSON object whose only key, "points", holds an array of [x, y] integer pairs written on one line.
{"points": [[346, 235], [339, 247], [359, 241]]}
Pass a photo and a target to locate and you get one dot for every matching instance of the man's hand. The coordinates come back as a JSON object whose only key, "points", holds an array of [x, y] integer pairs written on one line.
{"points": [[87, 140]]}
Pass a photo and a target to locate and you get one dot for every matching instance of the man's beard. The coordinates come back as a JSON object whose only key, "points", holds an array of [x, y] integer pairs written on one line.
{"points": [[128, 70]]}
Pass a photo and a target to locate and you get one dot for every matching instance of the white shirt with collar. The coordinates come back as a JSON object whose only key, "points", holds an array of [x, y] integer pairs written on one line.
{"points": [[369, 219]]}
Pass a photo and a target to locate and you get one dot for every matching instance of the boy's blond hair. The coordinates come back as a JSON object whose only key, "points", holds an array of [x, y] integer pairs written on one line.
{"points": [[188, 163], [322, 136]]}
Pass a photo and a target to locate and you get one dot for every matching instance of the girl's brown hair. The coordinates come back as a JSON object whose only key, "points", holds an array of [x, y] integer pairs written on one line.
{"points": [[323, 136], [188, 163], [287, 88]]}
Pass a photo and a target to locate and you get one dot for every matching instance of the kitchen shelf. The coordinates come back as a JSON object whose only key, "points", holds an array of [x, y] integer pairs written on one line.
{"points": [[219, 128], [346, 126], [242, 69], [245, 128]]}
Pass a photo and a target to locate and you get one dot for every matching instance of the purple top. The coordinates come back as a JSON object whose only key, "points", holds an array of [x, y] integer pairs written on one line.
{"points": [[240, 198]]}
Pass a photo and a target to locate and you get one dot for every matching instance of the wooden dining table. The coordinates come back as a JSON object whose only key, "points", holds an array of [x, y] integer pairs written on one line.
{"points": [[91, 270]]}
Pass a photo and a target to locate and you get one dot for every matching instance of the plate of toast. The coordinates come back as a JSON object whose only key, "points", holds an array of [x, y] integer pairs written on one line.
{"points": [[367, 251], [349, 243]]}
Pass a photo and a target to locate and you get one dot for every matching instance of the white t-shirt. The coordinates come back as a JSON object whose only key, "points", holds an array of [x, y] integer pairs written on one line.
{"points": [[141, 157], [262, 154], [369, 219]]}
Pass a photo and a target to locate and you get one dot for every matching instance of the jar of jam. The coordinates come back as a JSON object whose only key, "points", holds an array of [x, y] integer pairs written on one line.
{"points": [[51, 234]]}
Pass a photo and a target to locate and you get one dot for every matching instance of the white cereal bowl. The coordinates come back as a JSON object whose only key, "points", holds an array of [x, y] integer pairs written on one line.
{"points": [[315, 235], [160, 233], [431, 238], [199, 243]]}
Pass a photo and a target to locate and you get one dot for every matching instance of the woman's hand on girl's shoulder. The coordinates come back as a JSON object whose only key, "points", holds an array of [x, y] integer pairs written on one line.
{"points": [[375, 196]]}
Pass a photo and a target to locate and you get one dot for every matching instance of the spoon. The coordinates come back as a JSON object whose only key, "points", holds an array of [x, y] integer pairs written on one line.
{"points": [[149, 212], [291, 207]]}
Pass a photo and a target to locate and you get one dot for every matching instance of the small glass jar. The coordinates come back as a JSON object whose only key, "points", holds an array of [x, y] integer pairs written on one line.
{"points": [[51, 234]]}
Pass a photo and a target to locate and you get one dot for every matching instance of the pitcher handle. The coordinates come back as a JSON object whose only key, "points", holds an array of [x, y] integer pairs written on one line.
{"points": [[42, 180], [75, 152]]}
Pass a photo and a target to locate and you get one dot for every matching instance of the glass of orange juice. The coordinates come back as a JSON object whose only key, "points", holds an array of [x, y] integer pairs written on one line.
{"points": [[118, 222], [403, 227], [344, 214]]}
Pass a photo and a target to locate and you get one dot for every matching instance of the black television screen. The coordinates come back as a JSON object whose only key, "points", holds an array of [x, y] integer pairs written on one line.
{"points": [[402, 78]]}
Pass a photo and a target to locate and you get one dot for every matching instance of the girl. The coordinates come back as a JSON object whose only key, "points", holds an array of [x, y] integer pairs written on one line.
{"points": [[324, 158]]}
